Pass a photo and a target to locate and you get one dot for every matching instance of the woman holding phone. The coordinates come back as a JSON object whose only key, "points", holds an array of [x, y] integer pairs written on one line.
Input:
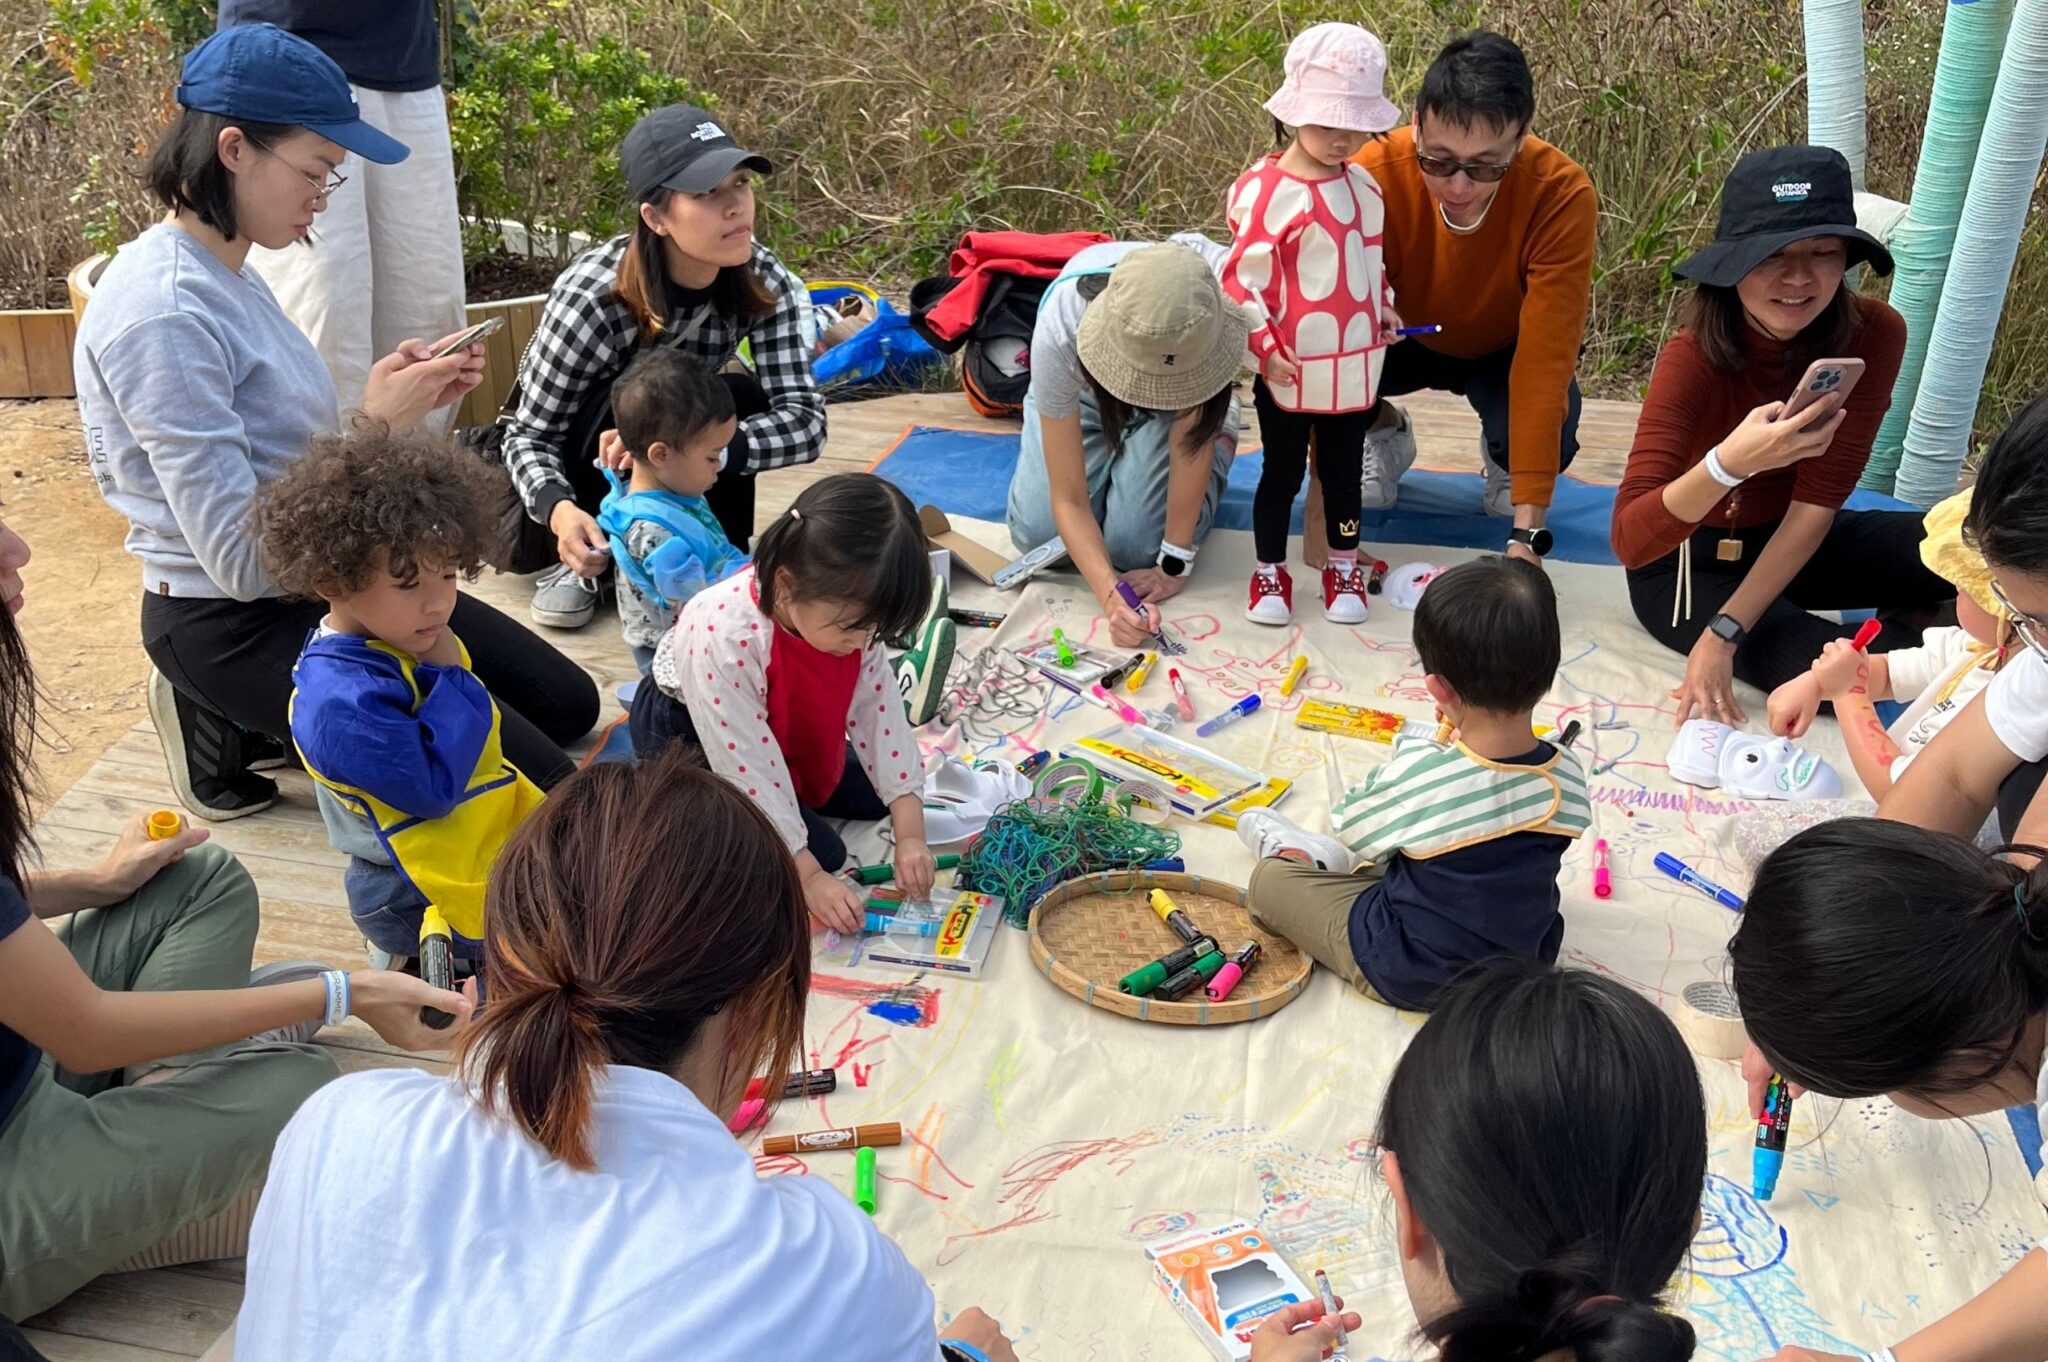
{"points": [[1758, 422]]}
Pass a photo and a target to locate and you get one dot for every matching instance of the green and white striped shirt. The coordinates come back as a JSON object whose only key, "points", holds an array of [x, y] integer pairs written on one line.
{"points": [[1432, 798]]}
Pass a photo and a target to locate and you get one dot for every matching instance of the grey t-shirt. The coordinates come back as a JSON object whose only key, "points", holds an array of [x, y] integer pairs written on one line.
{"points": [[1057, 380]]}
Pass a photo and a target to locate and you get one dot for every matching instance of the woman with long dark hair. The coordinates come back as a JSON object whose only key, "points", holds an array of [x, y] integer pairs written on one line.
{"points": [[143, 1074], [688, 274], [1729, 520], [578, 1171]]}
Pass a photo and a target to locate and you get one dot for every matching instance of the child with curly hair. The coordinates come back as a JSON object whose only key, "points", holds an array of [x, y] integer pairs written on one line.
{"points": [[402, 740]]}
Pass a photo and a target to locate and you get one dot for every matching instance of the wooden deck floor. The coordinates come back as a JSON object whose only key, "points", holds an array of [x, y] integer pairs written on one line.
{"points": [[178, 1312]]}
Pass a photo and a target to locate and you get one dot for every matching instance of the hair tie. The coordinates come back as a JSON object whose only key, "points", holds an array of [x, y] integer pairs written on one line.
{"points": [[796, 515], [2019, 905], [1592, 1301]]}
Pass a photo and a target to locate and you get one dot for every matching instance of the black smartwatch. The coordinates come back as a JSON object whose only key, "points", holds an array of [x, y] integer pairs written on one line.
{"points": [[1537, 541], [1727, 629], [1174, 560]]}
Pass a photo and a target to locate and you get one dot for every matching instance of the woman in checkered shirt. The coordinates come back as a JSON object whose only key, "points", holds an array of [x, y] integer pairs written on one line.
{"points": [[690, 275]]}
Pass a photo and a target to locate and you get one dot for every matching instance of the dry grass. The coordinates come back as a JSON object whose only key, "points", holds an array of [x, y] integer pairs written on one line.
{"points": [[901, 123]]}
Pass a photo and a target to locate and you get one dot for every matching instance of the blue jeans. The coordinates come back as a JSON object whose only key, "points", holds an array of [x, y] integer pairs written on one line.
{"points": [[1482, 382], [1126, 493]]}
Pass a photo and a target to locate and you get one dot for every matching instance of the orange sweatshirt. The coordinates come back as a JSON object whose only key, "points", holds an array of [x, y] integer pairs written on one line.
{"points": [[1524, 278]]}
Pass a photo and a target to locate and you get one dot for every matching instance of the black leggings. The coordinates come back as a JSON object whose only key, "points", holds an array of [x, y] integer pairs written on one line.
{"points": [[235, 659], [1870, 560], [1340, 456], [731, 498], [659, 719]]}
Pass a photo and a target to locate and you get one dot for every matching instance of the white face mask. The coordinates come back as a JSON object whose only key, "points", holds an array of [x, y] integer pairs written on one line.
{"points": [[1713, 755]]}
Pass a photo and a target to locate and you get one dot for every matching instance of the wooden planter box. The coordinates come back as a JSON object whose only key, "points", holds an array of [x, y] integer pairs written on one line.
{"points": [[35, 359]]}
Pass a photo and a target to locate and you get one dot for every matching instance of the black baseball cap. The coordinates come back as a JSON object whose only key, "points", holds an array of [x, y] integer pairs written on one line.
{"points": [[266, 75], [682, 147], [1773, 198]]}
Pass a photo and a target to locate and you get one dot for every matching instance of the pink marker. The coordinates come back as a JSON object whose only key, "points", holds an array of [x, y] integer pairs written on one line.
{"points": [[1123, 711], [1865, 634], [748, 1116], [1242, 959], [1603, 885]]}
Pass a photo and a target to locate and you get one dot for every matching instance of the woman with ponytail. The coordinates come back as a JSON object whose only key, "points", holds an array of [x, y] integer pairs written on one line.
{"points": [[574, 1193], [1544, 1141], [1878, 958]]}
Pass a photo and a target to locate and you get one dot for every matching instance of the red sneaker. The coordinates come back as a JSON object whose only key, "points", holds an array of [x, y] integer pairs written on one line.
{"points": [[1272, 597], [1344, 593]]}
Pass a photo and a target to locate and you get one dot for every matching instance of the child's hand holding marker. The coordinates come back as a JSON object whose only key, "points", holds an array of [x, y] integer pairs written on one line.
{"points": [[916, 868], [830, 899], [1302, 1333]]}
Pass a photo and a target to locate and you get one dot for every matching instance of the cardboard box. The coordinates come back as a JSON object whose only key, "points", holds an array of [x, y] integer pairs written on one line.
{"points": [[1224, 1280], [979, 559]]}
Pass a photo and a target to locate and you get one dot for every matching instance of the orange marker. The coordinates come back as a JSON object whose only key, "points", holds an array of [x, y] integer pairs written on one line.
{"points": [[818, 1141]]}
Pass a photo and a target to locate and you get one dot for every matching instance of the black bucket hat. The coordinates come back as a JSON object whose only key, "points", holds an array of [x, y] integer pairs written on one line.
{"points": [[1776, 197]]}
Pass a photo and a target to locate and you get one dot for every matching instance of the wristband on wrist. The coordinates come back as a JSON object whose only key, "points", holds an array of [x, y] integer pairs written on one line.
{"points": [[1174, 560], [1881, 1355], [957, 1351], [1718, 471], [336, 983]]}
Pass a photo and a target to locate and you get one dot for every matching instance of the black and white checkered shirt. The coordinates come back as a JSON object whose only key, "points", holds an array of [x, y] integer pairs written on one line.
{"points": [[586, 336]]}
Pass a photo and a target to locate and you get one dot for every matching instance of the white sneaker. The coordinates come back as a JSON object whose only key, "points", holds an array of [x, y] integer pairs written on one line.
{"points": [[1344, 593], [1498, 498], [1389, 453], [1269, 834], [1271, 599], [563, 600]]}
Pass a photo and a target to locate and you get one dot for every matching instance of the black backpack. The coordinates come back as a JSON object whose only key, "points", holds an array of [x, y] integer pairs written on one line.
{"points": [[995, 353]]}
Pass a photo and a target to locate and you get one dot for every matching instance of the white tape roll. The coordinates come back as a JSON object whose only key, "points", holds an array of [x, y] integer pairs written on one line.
{"points": [[1145, 802], [1710, 1021]]}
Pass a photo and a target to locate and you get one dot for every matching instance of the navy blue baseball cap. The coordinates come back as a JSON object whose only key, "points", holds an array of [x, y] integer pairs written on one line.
{"points": [[266, 75]]}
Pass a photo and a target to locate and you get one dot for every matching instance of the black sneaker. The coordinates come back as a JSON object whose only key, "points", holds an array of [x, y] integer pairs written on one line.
{"points": [[261, 752], [204, 754]]}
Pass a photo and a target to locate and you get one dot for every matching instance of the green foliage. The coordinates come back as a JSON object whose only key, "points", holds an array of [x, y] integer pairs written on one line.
{"points": [[81, 33]]}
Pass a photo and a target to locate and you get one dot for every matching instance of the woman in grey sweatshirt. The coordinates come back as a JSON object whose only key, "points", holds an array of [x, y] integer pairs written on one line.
{"points": [[196, 390]]}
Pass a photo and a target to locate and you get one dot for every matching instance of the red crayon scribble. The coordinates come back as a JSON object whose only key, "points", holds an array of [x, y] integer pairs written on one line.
{"points": [[860, 1074], [1027, 1181], [912, 1003]]}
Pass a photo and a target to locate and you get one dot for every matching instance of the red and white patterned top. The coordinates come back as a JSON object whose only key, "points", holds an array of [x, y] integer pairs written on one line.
{"points": [[1308, 261], [755, 691]]}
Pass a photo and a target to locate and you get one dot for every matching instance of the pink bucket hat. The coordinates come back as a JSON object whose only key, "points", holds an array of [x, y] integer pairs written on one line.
{"points": [[1334, 77]]}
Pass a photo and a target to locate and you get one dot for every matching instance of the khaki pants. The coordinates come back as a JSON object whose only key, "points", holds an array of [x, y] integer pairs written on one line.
{"points": [[94, 1169], [1312, 909]]}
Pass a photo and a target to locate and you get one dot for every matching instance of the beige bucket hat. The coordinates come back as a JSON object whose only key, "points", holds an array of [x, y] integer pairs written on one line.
{"points": [[1161, 335]]}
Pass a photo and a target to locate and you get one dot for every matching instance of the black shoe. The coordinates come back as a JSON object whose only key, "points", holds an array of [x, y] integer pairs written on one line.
{"points": [[261, 752], [204, 754]]}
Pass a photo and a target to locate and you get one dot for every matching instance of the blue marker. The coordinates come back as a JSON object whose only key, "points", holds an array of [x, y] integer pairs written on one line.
{"points": [[1772, 1125], [1229, 716], [1418, 330], [1685, 874], [882, 922]]}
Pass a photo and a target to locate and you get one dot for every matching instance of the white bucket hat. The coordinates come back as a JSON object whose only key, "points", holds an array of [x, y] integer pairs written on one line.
{"points": [[1162, 335], [1336, 75]]}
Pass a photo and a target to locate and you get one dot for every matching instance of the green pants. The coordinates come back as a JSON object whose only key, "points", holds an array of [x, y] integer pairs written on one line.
{"points": [[1312, 909], [93, 1169]]}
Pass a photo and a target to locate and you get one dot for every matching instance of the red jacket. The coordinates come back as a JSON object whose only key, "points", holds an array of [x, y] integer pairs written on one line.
{"points": [[1032, 255]]}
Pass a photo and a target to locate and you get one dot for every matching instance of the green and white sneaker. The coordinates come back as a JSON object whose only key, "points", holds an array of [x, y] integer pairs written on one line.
{"points": [[921, 669]]}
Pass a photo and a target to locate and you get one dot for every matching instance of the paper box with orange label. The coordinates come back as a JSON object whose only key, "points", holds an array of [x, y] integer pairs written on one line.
{"points": [[1225, 1280]]}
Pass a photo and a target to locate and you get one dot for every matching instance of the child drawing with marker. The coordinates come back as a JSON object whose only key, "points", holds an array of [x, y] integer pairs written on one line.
{"points": [[779, 675], [1878, 958], [1949, 668], [1307, 264], [675, 418], [1456, 845], [1544, 1142]]}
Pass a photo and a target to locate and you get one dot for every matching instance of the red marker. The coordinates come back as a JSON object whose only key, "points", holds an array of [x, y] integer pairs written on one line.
{"points": [[1868, 632], [1180, 694]]}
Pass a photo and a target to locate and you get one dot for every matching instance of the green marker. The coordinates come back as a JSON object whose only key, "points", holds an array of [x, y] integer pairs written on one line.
{"points": [[1191, 978], [1061, 649], [864, 1179], [1140, 982], [885, 872]]}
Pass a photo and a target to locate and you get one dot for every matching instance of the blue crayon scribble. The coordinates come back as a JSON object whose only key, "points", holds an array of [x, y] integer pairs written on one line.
{"points": [[1746, 1299]]}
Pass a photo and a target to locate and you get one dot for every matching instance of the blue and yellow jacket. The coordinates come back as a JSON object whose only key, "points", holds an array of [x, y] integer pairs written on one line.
{"points": [[412, 750]]}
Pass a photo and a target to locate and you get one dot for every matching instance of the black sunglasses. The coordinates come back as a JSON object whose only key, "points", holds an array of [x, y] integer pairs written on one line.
{"points": [[1479, 172]]}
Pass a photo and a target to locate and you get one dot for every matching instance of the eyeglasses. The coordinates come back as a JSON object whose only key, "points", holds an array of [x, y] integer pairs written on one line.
{"points": [[322, 190], [2026, 626], [1479, 172]]}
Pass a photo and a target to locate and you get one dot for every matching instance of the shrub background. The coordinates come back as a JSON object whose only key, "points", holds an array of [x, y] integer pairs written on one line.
{"points": [[898, 124]]}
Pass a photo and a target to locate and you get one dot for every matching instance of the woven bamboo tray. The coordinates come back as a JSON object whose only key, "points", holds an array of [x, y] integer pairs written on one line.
{"points": [[1090, 932]]}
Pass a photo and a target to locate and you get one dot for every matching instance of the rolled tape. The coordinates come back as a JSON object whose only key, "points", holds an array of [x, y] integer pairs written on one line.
{"points": [[1710, 1021], [1145, 802], [1068, 781]]}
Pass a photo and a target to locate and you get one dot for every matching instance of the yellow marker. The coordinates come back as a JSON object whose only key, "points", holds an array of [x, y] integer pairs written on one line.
{"points": [[164, 825], [1169, 913], [1294, 675], [1141, 671]]}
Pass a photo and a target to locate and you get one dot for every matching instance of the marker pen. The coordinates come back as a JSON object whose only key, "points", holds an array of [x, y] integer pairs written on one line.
{"points": [[864, 1179], [1772, 1125], [1868, 632], [1121, 670], [902, 926], [1323, 1280], [868, 876], [1030, 764], [1378, 579], [980, 619], [1603, 883], [1141, 671], [1191, 978], [1685, 874], [1123, 711], [1294, 674], [1241, 960], [1180, 694], [809, 1083], [1229, 716], [1570, 734], [1061, 648], [1430, 330], [1130, 597], [854, 1137], [1144, 979], [1169, 913]]}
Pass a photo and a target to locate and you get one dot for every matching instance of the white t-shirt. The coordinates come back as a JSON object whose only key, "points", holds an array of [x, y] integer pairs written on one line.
{"points": [[400, 1221], [2016, 703], [1942, 675]]}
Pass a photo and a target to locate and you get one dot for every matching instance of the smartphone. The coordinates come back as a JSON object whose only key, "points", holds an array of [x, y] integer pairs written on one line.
{"points": [[490, 324], [1826, 380]]}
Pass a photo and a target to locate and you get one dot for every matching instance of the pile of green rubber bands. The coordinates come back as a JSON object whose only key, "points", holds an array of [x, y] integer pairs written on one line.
{"points": [[1074, 823]]}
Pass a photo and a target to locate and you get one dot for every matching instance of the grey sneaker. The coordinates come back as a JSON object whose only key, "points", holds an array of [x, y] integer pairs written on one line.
{"points": [[1389, 453], [563, 600], [289, 972], [1499, 497]]}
